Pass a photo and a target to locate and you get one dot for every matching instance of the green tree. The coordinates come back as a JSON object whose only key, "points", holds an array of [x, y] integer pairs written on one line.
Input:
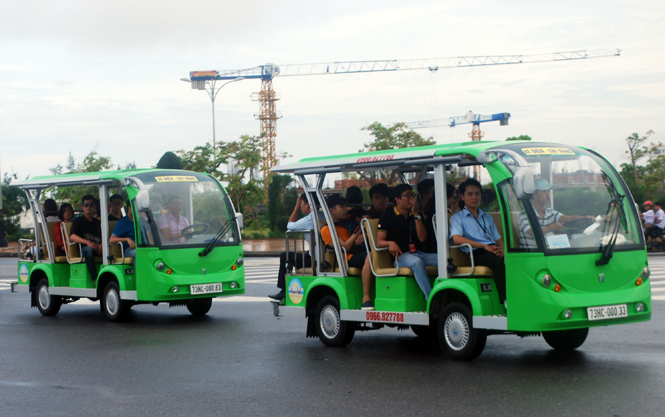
{"points": [[393, 137], [14, 202], [281, 199], [93, 162], [244, 189], [637, 150], [169, 161], [520, 137]]}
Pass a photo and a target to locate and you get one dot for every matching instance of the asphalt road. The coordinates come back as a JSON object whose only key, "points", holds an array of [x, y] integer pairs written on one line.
{"points": [[240, 360]]}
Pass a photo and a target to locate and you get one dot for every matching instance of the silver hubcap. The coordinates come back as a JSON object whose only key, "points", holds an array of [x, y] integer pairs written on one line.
{"points": [[44, 298], [456, 331], [330, 321], [112, 302]]}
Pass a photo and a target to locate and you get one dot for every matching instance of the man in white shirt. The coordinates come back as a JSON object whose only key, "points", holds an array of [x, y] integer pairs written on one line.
{"points": [[648, 218], [296, 258]]}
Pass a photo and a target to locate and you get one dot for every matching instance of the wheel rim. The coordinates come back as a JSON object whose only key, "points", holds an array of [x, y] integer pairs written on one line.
{"points": [[44, 298], [330, 321], [456, 331], [112, 302]]}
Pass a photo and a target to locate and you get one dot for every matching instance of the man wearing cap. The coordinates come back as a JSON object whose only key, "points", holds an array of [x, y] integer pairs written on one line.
{"points": [[549, 219], [402, 230], [649, 219], [350, 237]]}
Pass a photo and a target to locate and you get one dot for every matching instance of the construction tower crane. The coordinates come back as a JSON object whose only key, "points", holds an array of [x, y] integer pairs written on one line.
{"points": [[476, 119], [267, 96]]}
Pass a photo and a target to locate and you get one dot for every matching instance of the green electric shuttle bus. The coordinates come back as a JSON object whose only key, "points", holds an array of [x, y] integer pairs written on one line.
{"points": [[204, 262], [592, 271]]}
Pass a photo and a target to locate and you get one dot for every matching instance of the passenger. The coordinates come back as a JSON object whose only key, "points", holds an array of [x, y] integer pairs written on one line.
{"points": [[477, 228], [351, 238], [65, 214], [51, 210], [428, 210], [170, 225], [354, 196], [380, 196], [659, 220], [649, 219], [403, 232], [296, 258], [123, 232], [86, 230], [549, 219], [115, 207]]}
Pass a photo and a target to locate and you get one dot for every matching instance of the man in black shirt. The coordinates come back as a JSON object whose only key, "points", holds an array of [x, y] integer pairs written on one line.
{"points": [[115, 204], [404, 234], [86, 230], [380, 195]]}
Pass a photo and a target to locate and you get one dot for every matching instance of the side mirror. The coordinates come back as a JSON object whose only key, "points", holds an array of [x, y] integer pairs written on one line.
{"points": [[142, 201], [524, 183], [239, 221]]}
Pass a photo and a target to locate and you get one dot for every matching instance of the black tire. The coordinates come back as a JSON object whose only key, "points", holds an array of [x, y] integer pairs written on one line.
{"points": [[114, 308], [332, 331], [199, 306], [566, 339], [48, 305], [457, 337]]}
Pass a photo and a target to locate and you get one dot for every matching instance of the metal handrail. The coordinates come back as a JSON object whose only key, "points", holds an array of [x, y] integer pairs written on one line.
{"points": [[365, 225], [295, 244]]}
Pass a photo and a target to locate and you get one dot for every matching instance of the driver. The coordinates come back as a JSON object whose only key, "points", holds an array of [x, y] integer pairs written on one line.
{"points": [[549, 219], [171, 224]]}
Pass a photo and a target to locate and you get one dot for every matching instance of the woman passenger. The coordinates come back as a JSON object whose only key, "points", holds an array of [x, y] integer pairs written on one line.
{"points": [[65, 214]]}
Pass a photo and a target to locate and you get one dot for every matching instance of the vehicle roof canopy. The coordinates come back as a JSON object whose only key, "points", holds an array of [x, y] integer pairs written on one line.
{"points": [[87, 178], [456, 153]]}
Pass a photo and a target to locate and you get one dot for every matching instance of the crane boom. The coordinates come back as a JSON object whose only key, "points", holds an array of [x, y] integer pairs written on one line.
{"points": [[267, 72], [470, 117], [353, 67]]}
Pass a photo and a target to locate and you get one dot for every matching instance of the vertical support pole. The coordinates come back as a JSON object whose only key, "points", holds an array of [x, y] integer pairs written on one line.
{"points": [[441, 205], [104, 216]]}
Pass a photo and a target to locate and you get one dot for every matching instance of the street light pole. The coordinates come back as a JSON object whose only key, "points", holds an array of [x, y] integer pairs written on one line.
{"points": [[211, 88]]}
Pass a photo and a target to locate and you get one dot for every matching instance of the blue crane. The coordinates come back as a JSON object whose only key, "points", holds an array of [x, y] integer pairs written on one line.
{"points": [[470, 117]]}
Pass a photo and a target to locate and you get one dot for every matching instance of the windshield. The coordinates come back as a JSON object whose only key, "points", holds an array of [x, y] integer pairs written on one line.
{"points": [[579, 204], [188, 210]]}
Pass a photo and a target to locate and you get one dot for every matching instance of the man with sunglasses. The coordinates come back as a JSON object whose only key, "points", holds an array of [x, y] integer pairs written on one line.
{"points": [[87, 230], [402, 231]]}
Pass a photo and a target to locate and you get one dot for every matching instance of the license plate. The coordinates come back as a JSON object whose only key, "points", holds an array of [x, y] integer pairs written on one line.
{"points": [[205, 288], [607, 312]]}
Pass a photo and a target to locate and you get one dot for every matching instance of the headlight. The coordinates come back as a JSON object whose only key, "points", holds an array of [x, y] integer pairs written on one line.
{"points": [[240, 261], [547, 280], [646, 273], [161, 266]]}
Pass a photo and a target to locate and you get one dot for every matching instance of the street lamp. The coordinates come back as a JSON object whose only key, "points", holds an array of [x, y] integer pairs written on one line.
{"points": [[212, 90]]}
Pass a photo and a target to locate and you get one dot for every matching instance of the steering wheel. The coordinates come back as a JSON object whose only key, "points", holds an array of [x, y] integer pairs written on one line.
{"points": [[577, 225], [188, 232]]}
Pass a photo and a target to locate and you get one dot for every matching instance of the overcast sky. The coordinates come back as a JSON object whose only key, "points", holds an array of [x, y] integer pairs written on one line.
{"points": [[82, 75]]}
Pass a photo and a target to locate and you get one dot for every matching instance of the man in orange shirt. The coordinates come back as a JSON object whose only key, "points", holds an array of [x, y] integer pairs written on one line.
{"points": [[350, 237]]}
